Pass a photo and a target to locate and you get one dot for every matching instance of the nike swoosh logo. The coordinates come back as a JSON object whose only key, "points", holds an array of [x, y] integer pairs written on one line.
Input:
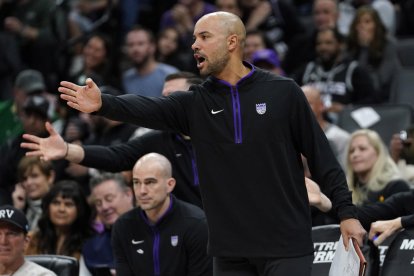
{"points": [[215, 112], [136, 242]]}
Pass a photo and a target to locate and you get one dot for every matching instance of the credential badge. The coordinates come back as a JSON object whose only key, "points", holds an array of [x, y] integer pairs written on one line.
{"points": [[174, 240], [261, 108]]}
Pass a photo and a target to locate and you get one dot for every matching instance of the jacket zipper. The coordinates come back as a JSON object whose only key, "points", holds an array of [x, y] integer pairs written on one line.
{"points": [[155, 251], [236, 115]]}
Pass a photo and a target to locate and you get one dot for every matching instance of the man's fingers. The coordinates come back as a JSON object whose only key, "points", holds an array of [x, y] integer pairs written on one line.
{"points": [[69, 85], [90, 83], [34, 153], [379, 239], [31, 138], [50, 129], [346, 242], [75, 106], [66, 91], [31, 146]]}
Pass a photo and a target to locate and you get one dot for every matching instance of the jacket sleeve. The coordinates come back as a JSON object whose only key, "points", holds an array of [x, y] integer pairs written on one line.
{"points": [[324, 167], [121, 263], [120, 157], [398, 205], [199, 263], [407, 221], [165, 113]]}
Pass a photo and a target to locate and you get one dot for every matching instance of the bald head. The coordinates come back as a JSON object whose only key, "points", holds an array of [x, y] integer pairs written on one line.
{"points": [[155, 159], [311, 91], [313, 95], [228, 23]]}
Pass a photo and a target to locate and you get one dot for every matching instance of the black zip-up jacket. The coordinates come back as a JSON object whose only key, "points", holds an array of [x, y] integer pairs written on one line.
{"points": [[122, 157], [175, 245], [248, 139]]}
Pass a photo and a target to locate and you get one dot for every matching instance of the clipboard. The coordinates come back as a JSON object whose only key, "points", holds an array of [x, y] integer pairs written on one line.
{"points": [[362, 260], [348, 263]]}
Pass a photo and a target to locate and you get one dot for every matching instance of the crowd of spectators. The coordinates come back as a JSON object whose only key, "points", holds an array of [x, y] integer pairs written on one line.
{"points": [[341, 52]]}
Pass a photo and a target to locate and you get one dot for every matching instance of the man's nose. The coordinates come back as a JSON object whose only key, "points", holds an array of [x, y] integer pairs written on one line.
{"points": [[2, 238], [194, 46]]}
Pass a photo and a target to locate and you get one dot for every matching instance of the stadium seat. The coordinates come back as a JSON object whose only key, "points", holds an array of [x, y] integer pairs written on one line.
{"points": [[393, 119], [399, 259], [61, 265], [405, 52], [402, 89]]}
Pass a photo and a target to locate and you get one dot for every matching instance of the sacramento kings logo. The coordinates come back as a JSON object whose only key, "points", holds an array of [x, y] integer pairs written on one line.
{"points": [[174, 240], [261, 108]]}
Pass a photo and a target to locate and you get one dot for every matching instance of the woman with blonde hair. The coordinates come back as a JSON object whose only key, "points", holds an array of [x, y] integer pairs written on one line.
{"points": [[371, 173]]}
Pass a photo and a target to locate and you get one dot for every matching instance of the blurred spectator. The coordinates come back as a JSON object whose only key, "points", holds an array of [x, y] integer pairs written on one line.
{"points": [[340, 80], [29, 22], [387, 14], [112, 197], [169, 51], [405, 26], [85, 12], [229, 6], [36, 177], [146, 76], [183, 15], [325, 14], [277, 19], [402, 152], [28, 83], [372, 175], [64, 224], [33, 117], [13, 241], [10, 64], [369, 44], [255, 40], [96, 62], [337, 137], [269, 60], [19, 196]]}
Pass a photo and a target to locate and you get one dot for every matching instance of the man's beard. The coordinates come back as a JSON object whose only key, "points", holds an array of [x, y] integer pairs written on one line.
{"points": [[216, 67], [328, 63], [141, 63]]}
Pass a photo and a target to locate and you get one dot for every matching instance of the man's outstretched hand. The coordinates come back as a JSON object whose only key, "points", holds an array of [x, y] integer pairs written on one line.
{"points": [[86, 98], [49, 148]]}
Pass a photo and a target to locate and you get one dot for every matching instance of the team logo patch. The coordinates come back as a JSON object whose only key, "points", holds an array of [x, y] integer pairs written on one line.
{"points": [[261, 108], [174, 240]]}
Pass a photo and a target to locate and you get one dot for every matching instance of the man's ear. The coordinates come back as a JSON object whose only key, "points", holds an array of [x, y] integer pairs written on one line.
{"points": [[233, 42], [170, 184], [27, 239]]}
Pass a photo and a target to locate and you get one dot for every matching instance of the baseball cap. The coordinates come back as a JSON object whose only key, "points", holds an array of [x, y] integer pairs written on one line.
{"points": [[266, 55], [30, 81], [37, 104], [14, 216]]}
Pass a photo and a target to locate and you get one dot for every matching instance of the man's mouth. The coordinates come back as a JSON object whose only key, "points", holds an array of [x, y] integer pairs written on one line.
{"points": [[200, 60]]}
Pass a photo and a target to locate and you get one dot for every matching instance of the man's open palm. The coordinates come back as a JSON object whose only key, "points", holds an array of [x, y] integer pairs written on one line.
{"points": [[83, 98]]}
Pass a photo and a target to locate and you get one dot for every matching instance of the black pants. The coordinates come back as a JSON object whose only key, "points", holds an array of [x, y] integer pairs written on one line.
{"points": [[298, 266]]}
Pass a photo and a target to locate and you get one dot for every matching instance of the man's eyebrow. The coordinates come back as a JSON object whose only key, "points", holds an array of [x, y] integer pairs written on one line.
{"points": [[202, 33]]}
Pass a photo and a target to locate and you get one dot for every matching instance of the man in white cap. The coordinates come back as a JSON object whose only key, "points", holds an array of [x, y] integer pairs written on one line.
{"points": [[13, 241]]}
